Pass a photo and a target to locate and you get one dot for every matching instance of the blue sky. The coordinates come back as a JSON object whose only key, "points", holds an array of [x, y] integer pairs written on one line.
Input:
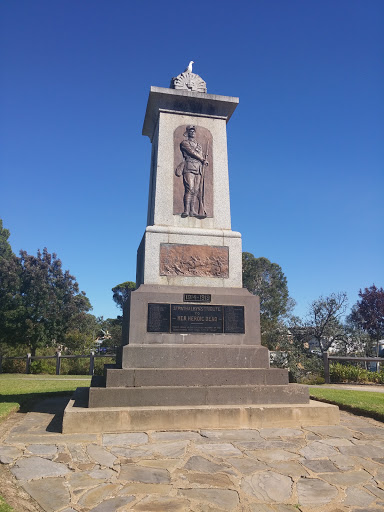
{"points": [[305, 143]]}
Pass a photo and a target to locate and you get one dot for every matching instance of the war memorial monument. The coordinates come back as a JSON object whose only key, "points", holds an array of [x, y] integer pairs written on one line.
{"points": [[191, 355]]}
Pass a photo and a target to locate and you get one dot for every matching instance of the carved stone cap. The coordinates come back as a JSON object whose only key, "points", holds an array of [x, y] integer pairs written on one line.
{"points": [[188, 81], [185, 102]]}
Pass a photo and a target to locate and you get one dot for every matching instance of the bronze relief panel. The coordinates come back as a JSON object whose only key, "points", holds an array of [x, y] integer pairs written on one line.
{"points": [[194, 260], [193, 176]]}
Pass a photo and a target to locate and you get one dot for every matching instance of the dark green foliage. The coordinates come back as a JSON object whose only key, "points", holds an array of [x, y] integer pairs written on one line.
{"points": [[14, 365], [368, 313], [78, 366], [267, 280], [122, 292], [46, 366], [5, 247], [100, 362], [10, 281], [354, 373], [11, 302], [114, 328], [38, 300], [50, 300], [84, 328], [69, 366]]}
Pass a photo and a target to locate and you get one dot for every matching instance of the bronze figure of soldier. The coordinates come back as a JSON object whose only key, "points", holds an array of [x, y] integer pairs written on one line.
{"points": [[193, 170]]}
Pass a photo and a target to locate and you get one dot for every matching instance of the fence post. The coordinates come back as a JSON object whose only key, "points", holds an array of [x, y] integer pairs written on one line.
{"points": [[28, 364], [326, 368], [92, 363], [58, 362]]}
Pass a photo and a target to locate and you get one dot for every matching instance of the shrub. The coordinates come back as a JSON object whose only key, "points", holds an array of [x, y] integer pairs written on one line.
{"points": [[300, 364], [73, 366], [312, 380], [14, 365], [350, 373], [47, 366], [69, 366], [100, 362]]}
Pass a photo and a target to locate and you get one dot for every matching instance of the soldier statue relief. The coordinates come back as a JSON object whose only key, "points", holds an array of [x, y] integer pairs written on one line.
{"points": [[193, 171]]}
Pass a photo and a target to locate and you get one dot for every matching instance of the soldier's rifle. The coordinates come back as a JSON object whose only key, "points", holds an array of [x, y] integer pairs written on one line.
{"points": [[201, 188]]}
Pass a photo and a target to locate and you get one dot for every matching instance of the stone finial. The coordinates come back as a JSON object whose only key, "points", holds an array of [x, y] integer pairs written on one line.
{"points": [[189, 81]]}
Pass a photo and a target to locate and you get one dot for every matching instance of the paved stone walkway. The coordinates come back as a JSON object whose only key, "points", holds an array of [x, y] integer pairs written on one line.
{"points": [[332, 469]]}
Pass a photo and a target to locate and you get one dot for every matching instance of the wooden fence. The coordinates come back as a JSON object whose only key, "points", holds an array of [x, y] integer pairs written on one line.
{"points": [[58, 357], [92, 356], [328, 358]]}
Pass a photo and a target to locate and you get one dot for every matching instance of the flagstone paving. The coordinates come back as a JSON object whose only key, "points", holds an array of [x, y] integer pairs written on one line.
{"points": [[313, 469]]}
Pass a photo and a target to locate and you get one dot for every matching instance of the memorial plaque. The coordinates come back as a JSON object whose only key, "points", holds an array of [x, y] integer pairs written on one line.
{"points": [[158, 318], [234, 319], [201, 319], [197, 297], [190, 318]]}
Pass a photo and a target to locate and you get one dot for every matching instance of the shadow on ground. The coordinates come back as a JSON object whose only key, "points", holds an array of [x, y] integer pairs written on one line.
{"points": [[47, 403]]}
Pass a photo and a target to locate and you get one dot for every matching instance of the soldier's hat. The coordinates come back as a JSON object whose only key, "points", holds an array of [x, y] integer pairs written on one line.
{"points": [[188, 128]]}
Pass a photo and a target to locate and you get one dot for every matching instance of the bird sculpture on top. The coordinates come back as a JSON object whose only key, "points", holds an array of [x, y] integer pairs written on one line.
{"points": [[189, 81], [189, 67]]}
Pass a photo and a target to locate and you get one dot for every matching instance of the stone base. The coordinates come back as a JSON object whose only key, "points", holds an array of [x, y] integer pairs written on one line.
{"points": [[136, 313], [194, 356], [138, 377], [186, 375], [79, 419], [149, 396]]}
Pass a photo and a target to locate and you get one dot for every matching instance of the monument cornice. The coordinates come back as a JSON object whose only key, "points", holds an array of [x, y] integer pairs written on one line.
{"points": [[185, 102], [226, 233]]}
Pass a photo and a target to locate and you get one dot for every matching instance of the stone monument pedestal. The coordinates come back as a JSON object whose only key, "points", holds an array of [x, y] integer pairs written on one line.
{"points": [[178, 381], [191, 354]]}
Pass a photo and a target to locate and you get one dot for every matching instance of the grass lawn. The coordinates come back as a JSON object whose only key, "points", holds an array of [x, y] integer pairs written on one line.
{"points": [[4, 507], [366, 403], [20, 391]]}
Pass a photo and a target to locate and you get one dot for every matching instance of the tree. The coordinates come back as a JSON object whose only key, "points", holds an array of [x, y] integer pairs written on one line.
{"points": [[50, 299], [39, 302], [5, 247], [293, 353], [82, 332], [122, 292], [324, 320], [10, 299], [114, 328], [267, 280], [368, 313], [357, 341]]}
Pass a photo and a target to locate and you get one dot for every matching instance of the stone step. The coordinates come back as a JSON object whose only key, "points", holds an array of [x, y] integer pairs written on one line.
{"points": [[80, 419], [138, 377], [195, 356], [148, 396]]}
